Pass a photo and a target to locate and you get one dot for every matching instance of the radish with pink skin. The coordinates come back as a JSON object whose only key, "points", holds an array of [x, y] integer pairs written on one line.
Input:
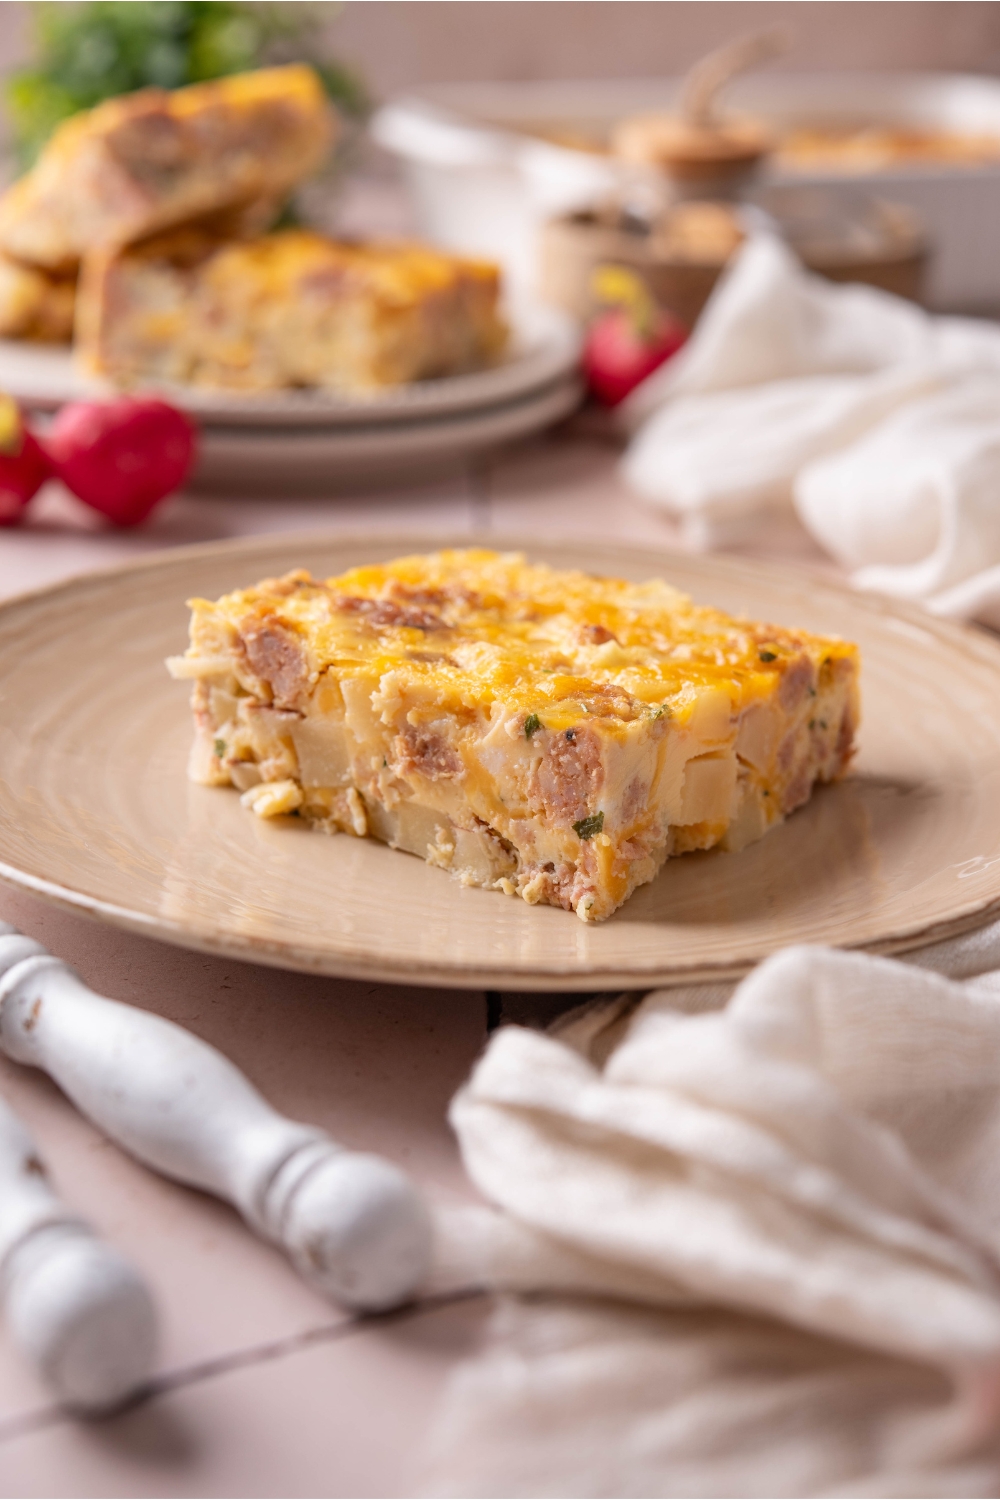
{"points": [[122, 457], [24, 464], [629, 339]]}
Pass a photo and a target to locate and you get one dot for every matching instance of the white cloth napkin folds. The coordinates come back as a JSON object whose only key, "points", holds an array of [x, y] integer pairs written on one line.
{"points": [[768, 1235], [879, 423]]}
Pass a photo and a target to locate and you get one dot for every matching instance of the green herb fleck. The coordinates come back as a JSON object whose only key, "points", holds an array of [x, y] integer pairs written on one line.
{"points": [[661, 711], [766, 792], [822, 723], [532, 725], [587, 827], [220, 748], [768, 655], [385, 763], [812, 692]]}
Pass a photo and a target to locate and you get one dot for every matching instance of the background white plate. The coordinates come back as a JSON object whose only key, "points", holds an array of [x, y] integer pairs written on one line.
{"points": [[325, 460]]}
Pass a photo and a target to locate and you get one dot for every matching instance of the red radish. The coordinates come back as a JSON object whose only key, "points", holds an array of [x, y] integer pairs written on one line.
{"points": [[122, 457], [24, 465], [630, 339]]}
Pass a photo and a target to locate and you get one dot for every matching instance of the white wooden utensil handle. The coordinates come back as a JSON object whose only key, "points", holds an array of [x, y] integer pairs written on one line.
{"points": [[352, 1223], [75, 1307]]}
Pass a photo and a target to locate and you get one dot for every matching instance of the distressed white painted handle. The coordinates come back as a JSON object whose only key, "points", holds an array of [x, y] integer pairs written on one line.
{"points": [[352, 1223], [76, 1307]]}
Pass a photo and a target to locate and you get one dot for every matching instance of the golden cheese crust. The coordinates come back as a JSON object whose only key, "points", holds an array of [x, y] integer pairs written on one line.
{"points": [[145, 161], [288, 309], [550, 734]]}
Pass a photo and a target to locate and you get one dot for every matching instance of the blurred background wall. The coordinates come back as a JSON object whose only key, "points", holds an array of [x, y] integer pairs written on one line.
{"points": [[397, 45], [401, 44]]}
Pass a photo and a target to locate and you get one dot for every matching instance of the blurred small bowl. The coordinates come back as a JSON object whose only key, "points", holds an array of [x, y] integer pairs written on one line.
{"points": [[682, 253]]}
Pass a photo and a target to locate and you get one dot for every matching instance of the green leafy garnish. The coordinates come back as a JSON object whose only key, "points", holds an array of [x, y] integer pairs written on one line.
{"points": [[532, 725], [587, 827], [768, 655], [220, 748], [661, 711]]}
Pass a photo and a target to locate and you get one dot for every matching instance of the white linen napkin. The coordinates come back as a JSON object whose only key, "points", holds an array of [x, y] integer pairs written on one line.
{"points": [[913, 508], [878, 422], [763, 1241]]}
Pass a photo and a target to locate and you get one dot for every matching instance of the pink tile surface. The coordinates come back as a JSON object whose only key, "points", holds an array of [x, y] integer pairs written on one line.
{"points": [[571, 485], [63, 537], [343, 1416]]}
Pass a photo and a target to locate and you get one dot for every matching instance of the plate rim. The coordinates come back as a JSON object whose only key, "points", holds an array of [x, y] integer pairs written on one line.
{"points": [[328, 460], [428, 973], [406, 429]]}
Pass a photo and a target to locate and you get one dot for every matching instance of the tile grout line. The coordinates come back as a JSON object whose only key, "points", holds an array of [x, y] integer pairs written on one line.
{"points": [[46, 1417]]}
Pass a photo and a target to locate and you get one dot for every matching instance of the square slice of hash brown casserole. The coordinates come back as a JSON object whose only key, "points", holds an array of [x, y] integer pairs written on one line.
{"points": [[552, 735]]}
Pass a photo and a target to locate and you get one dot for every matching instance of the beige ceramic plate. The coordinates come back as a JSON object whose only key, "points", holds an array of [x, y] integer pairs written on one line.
{"points": [[96, 812]]}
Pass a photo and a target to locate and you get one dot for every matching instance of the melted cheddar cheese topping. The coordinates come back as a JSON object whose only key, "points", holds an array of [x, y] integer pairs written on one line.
{"points": [[472, 627], [550, 734], [300, 260]]}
